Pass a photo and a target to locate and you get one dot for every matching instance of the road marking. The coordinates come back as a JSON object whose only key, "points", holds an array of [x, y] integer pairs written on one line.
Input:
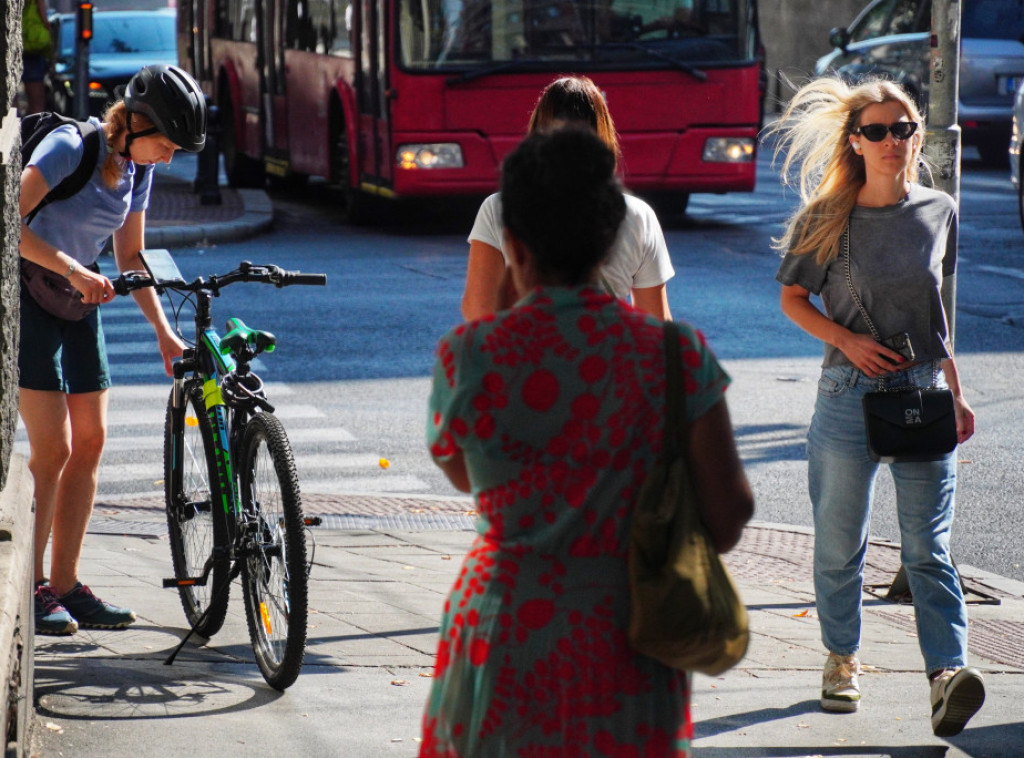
{"points": [[1014, 273], [356, 485]]}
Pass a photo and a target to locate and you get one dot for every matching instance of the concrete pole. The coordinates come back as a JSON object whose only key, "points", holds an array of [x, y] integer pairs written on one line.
{"points": [[943, 140], [942, 146]]}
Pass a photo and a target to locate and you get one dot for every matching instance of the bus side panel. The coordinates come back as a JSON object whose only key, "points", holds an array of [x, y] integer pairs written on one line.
{"points": [[236, 64], [311, 81]]}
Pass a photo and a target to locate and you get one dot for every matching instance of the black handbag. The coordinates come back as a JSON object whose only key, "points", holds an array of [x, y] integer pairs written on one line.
{"points": [[906, 423], [54, 293]]}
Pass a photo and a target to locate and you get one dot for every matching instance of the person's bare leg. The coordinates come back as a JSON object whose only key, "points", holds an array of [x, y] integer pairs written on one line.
{"points": [[77, 488], [49, 435], [35, 94]]}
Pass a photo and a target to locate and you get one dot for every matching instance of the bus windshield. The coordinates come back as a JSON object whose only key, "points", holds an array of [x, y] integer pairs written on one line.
{"points": [[519, 34]]}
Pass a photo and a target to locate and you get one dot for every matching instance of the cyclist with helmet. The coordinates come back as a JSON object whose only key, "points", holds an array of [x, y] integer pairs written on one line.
{"points": [[64, 374]]}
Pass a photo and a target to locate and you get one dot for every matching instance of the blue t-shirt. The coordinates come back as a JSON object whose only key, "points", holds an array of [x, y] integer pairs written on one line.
{"points": [[81, 224]]}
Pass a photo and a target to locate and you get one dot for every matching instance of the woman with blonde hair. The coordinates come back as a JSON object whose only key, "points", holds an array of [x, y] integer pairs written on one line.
{"points": [[64, 375], [637, 267], [867, 226]]}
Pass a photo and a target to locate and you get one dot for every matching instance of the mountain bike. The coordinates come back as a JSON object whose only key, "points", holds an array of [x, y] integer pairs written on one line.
{"points": [[232, 493]]}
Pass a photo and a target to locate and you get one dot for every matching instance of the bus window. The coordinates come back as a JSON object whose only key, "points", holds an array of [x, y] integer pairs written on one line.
{"points": [[461, 33], [236, 20]]}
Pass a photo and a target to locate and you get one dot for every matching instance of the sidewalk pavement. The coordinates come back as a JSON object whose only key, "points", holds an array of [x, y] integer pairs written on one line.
{"points": [[176, 217], [382, 569]]}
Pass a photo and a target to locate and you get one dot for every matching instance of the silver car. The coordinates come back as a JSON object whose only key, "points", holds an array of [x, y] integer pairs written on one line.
{"points": [[891, 38]]}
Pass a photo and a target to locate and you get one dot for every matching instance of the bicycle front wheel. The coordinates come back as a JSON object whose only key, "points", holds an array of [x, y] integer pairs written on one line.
{"points": [[274, 571], [196, 519]]}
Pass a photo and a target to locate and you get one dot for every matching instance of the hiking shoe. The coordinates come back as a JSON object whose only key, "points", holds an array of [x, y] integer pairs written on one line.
{"points": [[93, 613], [51, 616], [839, 690], [957, 694]]}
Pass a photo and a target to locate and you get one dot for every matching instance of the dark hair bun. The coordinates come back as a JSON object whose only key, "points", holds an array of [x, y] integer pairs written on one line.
{"points": [[561, 198]]}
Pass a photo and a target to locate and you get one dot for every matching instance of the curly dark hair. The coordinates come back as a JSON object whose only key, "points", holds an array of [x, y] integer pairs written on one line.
{"points": [[561, 198]]}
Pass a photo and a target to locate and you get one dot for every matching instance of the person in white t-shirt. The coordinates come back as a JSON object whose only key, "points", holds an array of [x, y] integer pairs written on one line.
{"points": [[637, 267]]}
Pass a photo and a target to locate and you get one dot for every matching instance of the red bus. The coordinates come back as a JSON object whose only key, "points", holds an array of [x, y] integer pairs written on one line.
{"points": [[421, 98]]}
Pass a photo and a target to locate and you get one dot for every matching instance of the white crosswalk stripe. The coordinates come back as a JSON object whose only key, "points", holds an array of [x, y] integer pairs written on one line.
{"points": [[329, 458]]}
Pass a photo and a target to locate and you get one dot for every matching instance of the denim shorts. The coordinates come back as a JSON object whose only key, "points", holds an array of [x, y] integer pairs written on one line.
{"points": [[61, 356]]}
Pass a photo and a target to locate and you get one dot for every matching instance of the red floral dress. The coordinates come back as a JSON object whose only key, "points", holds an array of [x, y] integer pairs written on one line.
{"points": [[557, 406]]}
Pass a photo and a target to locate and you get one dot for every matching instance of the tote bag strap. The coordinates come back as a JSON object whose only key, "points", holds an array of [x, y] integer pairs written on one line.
{"points": [[675, 399]]}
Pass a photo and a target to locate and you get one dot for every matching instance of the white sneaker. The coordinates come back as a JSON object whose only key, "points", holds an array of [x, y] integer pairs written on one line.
{"points": [[839, 689], [957, 694]]}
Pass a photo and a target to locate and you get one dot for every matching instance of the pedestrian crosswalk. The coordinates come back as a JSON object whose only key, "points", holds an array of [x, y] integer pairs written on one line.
{"points": [[330, 458]]}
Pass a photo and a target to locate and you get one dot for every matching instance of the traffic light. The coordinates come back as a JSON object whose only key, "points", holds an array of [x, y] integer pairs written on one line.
{"points": [[85, 21]]}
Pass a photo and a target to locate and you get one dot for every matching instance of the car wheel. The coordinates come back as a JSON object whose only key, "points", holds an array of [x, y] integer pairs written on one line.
{"points": [[994, 154], [241, 170]]}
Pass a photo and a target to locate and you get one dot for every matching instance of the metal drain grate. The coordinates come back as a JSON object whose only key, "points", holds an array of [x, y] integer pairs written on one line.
{"points": [[411, 521], [338, 521]]}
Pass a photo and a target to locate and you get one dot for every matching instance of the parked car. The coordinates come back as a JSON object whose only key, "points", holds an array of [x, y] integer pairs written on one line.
{"points": [[891, 38], [122, 43]]}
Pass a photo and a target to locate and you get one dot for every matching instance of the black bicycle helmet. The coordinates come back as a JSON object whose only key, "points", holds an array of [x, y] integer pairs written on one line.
{"points": [[172, 100]]}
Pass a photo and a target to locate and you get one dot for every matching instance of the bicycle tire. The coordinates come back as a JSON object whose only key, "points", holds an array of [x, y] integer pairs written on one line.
{"points": [[274, 575], [196, 524]]}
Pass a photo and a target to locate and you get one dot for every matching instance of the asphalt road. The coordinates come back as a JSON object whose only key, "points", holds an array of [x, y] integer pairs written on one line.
{"points": [[354, 357]]}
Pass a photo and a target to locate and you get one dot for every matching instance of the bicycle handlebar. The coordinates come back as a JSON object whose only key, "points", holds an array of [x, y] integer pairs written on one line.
{"points": [[246, 272]]}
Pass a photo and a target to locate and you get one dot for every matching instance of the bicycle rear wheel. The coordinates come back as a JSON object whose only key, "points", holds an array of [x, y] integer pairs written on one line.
{"points": [[274, 572], [196, 520]]}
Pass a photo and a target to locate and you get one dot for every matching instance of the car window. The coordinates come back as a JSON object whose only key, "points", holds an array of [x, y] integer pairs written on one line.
{"points": [[994, 20], [133, 34], [911, 16], [873, 23], [893, 17]]}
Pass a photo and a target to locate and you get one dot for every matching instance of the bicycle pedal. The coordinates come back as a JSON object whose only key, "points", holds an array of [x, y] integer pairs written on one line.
{"points": [[312, 521], [198, 581]]}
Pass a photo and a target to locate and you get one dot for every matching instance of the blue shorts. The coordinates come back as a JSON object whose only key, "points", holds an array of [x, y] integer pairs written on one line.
{"points": [[33, 67], [61, 356]]}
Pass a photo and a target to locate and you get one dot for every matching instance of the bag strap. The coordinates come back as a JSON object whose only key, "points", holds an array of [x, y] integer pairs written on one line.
{"points": [[675, 398], [74, 182], [849, 283]]}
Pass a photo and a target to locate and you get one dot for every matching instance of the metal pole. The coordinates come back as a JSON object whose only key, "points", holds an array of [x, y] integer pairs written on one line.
{"points": [[83, 36], [943, 142]]}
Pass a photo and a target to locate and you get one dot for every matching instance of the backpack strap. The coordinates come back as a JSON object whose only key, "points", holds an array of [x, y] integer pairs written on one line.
{"points": [[74, 182]]}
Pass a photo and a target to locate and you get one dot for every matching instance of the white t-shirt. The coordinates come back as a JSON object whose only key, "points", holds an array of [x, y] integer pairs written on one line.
{"points": [[638, 258]]}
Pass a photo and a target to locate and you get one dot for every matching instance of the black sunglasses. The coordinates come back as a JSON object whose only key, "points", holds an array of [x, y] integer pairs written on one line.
{"points": [[876, 132]]}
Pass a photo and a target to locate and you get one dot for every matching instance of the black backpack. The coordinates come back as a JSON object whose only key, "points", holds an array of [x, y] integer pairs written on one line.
{"points": [[35, 127]]}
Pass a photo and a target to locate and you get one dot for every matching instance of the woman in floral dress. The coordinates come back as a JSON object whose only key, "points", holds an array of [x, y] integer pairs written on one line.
{"points": [[551, 414]]}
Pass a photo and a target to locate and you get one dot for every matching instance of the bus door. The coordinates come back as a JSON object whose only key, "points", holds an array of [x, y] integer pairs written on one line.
{"points": [[273, 106], [375, 143]]}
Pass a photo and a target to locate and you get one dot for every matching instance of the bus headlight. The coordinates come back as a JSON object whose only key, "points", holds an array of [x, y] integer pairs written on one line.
{"points": [[728, 150], [432, 155]]}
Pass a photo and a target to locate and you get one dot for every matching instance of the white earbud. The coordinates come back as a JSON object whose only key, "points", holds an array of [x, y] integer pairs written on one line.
{"points": [[856, 146]]}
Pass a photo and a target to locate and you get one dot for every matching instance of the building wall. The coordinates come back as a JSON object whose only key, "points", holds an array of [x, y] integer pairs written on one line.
{"points": [[10, 227]]}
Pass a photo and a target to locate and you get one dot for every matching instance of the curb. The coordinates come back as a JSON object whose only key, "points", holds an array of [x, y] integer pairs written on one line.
{"points": [[17, 619], [257, 218]]}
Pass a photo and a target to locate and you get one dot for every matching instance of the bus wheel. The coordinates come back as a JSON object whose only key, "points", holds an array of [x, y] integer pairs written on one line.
{"points": [[670, 206], [360, 207], [242, 170]]}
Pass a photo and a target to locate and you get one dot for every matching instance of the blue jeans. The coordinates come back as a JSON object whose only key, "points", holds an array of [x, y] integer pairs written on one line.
{"points": [[841, 477]]}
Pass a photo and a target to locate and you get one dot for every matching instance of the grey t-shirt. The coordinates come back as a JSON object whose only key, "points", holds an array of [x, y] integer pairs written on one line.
{"points": [[899, 255]]}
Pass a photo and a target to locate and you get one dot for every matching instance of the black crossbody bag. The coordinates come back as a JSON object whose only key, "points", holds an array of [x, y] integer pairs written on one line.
{"points": [[907, 423]]}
